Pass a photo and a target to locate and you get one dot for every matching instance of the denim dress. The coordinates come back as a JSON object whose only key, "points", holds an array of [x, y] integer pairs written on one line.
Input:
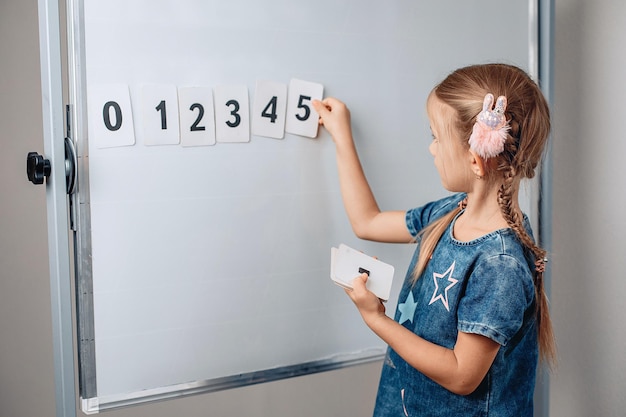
{"points": [[484, 286]]}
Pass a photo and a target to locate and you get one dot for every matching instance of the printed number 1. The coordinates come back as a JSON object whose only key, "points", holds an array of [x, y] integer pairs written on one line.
{"points": [[161, 108], [307, 109]]}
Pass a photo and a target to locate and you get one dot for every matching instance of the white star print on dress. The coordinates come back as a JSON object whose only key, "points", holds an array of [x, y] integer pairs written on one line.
{"points": [[443, 296]]}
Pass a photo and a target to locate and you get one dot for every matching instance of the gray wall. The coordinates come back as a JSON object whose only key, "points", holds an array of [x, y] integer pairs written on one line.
{"points": [[589, 257], [26, 368], [587, 261]]}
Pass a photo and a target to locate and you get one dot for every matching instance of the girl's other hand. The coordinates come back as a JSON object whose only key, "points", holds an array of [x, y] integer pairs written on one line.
{"points": [[370, 306], [335, 117]]}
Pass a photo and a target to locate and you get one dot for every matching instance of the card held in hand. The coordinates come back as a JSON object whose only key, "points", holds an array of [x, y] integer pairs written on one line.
{"points": [[347, 263]]}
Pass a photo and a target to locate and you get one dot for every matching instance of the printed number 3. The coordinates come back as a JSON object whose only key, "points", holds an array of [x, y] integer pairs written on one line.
{"points": [[234, 113]]}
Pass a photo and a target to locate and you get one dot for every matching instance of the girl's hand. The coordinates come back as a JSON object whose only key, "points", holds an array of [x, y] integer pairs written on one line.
{"points": [[370, 306], [335, 117]]}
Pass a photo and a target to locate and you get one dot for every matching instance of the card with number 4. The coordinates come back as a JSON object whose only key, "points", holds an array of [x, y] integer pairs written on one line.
{"points": [[302, 119], [268, 113]]}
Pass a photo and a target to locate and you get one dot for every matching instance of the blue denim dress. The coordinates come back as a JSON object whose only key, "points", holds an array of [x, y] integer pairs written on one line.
{"points": [[485, 287]]}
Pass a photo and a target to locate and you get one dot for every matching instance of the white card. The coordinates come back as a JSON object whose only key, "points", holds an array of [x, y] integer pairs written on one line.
{"points": [[110, 116], [197, 119], [269, 109], [159, 108], [232, 113], [348, 263], [302, 119]]}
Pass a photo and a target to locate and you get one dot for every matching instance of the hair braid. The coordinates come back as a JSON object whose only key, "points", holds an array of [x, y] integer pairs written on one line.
{"points": [[514, 219]]}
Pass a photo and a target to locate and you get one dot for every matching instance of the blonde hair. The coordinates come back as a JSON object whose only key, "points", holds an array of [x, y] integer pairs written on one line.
{"points": [[529, 117]]}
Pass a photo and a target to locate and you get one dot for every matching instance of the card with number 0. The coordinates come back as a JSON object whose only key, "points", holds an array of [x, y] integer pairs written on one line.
{"points": [[110, 116]]}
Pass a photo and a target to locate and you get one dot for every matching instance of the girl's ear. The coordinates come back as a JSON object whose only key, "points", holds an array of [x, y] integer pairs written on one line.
{"points": [[477, 164]]}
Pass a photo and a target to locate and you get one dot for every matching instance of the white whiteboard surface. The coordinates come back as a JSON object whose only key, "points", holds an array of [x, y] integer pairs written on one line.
{"points": [[212, 262]]}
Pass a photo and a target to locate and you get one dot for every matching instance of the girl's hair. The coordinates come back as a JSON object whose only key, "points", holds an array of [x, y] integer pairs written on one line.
{"points": [[529, 118]]}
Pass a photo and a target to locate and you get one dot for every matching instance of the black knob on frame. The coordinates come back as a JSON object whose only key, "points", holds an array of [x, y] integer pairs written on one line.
{"points": [[37, 168]]}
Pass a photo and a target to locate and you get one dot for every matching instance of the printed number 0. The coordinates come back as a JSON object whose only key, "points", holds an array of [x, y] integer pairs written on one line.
{"points": [[106, 115], [307, 109], [234, 113]]}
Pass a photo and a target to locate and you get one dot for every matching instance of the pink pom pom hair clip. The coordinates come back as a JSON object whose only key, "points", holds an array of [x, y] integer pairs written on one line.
{"points": [[491, 128]]}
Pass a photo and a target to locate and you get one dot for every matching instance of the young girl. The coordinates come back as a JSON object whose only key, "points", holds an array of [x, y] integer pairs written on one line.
{"points": [[472, 315]]}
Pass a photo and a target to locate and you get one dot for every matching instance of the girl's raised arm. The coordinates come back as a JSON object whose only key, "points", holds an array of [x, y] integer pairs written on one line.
{"points": [[367, 221]]}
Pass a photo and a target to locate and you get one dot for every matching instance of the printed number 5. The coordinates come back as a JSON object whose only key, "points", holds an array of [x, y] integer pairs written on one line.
{"points": [[307, 109]]}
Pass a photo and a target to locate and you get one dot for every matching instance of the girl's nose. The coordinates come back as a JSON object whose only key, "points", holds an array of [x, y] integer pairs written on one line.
{"points": [[432, 147]]}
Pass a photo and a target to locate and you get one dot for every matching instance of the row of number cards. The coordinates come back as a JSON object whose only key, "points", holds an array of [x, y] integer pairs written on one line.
{"points": [[200, 116]]}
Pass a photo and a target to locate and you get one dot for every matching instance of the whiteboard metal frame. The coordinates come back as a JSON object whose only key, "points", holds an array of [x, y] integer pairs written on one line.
{"points": [[540, 65], [57, 208]]}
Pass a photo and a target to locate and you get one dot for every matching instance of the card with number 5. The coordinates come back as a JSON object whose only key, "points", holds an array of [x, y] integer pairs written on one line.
{"points": [[302, 119]]}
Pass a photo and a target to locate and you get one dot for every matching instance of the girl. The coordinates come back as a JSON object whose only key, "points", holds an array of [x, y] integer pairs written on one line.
{"points": [[472, 316]]}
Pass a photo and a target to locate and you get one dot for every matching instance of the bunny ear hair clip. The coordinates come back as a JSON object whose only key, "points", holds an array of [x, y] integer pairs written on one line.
{"points": [[491, 128]]}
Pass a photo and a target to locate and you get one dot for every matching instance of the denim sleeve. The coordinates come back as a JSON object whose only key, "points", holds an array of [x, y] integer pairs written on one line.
{"points": [[498, 292], [418, 218]]}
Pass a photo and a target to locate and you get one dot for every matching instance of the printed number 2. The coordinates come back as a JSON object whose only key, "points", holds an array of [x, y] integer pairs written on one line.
{"points": [[307, 109], [194, 127]]}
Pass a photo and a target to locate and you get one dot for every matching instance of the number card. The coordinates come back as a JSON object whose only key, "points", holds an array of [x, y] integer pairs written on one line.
{"points": [[302, 119], [160, 114], [269, 109], [347, 263], [232, 114], [110, 116], [197, 123]]}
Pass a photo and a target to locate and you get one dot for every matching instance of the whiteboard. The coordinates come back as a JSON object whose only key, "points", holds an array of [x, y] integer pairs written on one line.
{"points": [[203, 262]]}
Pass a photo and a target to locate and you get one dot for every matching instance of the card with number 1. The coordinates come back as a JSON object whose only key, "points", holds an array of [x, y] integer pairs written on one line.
{"points": [[160, 114]]}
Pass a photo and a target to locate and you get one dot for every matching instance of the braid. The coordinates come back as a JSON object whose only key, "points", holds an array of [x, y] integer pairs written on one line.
{"points": [[514, 219]]}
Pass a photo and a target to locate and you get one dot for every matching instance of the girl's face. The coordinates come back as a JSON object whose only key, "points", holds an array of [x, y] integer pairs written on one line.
{"points": [[452, 159]]}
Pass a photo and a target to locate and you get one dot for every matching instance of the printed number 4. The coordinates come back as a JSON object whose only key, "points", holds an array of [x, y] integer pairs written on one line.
{"points": [[270, 110]]}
